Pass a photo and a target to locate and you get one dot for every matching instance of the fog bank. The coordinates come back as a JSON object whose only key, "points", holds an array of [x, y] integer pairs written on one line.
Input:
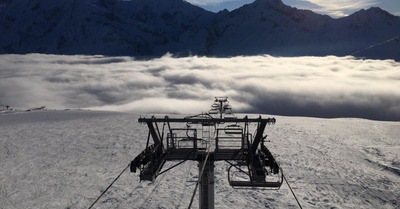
{"points": [[301, 86]]}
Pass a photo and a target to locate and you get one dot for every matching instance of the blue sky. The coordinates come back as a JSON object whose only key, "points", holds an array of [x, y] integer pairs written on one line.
{"points": [[333, 8]]}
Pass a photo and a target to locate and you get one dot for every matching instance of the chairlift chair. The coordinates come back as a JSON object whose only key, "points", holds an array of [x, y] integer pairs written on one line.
{"points": [[230, 116], [233, 129], [215, 106], [227, 107], [212, 111], [256, 174]]}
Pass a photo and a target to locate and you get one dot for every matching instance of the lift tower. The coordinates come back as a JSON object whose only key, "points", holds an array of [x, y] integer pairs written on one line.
{"points": [[205, 138]]}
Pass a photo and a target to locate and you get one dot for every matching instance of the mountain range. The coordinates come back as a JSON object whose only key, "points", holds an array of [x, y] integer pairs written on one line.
{"points": [[156, 27]]}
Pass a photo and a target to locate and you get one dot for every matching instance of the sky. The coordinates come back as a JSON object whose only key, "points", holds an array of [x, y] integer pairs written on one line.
{"points": [[333, 8], [295, 86]]}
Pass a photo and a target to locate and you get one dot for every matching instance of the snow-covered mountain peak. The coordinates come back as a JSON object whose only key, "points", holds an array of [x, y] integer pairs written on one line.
{"points": [[378, 10], [267, 4], [373, 11], [155, 27], [173, 4], [372, 17], [270, 2]]}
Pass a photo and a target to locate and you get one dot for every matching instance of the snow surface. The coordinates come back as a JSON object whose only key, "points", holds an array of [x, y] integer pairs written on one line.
{"points": [[65, 159]]}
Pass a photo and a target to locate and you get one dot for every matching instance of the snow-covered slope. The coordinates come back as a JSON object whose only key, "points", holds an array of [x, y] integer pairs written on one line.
{"points": [[155, 27], [65, 159]]}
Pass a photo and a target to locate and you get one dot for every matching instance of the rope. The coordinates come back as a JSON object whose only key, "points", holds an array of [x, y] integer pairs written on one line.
{"points": [[284, 177], [109, 186]]}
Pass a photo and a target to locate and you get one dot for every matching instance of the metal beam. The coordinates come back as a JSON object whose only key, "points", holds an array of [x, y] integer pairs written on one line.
{"points": [[258, 137], [208, 120], [154, 133]]}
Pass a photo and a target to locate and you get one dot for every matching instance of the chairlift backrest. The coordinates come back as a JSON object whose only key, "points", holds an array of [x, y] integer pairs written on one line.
{"points": [[233, 129]]}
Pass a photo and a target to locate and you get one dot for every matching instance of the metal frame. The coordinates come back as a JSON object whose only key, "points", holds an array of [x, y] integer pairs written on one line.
{"points": [[249, 152]]}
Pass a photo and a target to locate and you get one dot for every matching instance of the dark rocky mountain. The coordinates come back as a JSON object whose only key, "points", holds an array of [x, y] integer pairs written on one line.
{"points": [[155, 27]]}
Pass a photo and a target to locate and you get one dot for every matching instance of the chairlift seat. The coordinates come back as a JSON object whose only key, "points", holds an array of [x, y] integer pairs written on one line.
{"points": [[213, 111], [233, 131], [230, 116], [269, 184]]}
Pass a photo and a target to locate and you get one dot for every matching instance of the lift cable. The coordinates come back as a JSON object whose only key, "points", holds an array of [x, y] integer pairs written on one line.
{"points": [[171, 167], [198, 181], [374, 45], [109, 186], [294, 195], [202, 170]]}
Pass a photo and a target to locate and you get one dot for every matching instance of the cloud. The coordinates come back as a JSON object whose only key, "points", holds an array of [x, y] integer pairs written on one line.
{"points": [[337, 8], [209, 2], [302, 86]]}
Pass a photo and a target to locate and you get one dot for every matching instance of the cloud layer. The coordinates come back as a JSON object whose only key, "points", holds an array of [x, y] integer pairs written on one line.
{"points": [[334, 8], [304, 86], [338, 8]]}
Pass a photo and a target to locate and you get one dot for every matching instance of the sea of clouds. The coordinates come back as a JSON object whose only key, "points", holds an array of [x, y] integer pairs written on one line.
{"points": [[301, 86]]}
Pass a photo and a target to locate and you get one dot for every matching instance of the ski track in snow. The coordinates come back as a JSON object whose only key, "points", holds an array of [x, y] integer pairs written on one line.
{"points": [[65, 159]]}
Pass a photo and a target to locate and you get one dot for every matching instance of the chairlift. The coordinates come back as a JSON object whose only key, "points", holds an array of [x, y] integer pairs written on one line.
{"points": [[251, 163], [215, 106], [213, 111], [221, 99], [216, 109], [227, 107], [262, 171], [233, 129], [188, 142], [228, 112], [240, 175], [230, 116]]}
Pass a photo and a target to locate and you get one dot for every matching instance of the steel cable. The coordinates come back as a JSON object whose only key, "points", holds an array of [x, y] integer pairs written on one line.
{"points": [[109, 186]]}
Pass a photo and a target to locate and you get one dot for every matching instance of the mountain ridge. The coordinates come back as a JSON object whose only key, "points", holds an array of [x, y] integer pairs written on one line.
{"points": [[153, 28]]}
